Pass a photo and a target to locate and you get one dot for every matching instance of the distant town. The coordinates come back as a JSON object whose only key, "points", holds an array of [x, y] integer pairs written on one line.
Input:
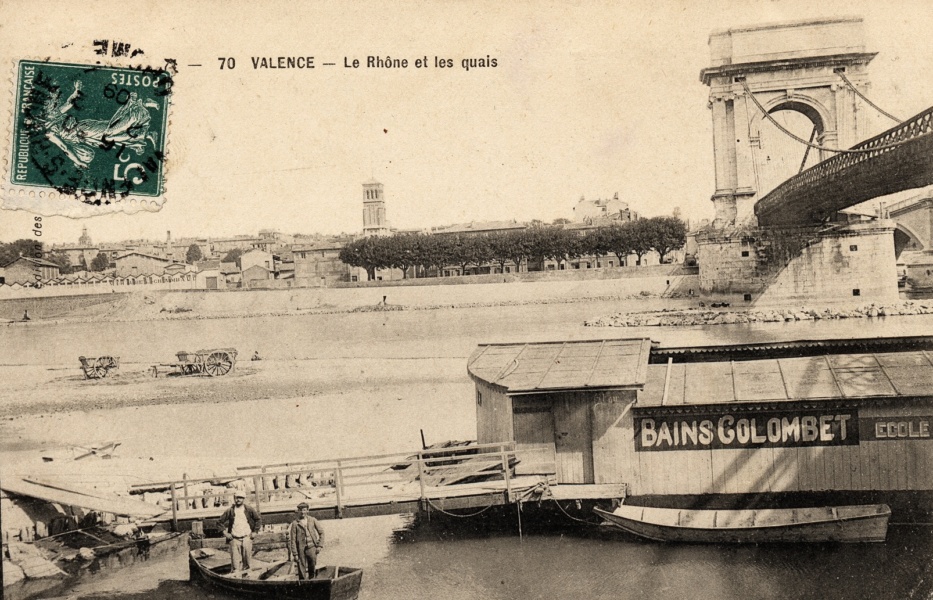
{"points": [[603, 234]]}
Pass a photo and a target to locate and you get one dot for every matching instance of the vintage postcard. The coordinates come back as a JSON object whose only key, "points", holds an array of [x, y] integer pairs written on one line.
{"points": [[466, 299]]}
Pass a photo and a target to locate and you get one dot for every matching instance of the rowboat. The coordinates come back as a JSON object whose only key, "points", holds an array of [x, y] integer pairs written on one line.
{"points": [[212, 566], [860, 523]]}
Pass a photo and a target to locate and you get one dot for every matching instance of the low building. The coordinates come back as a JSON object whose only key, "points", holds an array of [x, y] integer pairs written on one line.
{"points": [[231, 274], [256, 257], [210, 279], [178, 269], [255, 275], [835, 422], [29, 270], [138, 263], [283, 268], [319, 265], [602, 211]]}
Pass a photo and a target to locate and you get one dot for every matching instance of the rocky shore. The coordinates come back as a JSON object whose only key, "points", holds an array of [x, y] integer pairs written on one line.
{"points": [[702, 316]]}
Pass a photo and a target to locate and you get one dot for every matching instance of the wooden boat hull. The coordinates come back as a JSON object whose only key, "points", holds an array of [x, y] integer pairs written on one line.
{"points": [[325, 586], [861, 523]]}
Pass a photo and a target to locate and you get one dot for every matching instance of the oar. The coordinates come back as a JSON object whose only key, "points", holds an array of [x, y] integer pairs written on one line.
{"points": [[273, 570]]}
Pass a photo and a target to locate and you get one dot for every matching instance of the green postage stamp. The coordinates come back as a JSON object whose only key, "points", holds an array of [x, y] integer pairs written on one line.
{"points": [[89, 135]]}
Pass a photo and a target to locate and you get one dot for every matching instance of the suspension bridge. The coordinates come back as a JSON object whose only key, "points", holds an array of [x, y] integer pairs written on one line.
{"points": [[898, 159]]}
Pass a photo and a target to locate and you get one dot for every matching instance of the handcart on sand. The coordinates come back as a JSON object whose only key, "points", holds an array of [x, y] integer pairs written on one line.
{"points": [[212, 363], [99, 367]]}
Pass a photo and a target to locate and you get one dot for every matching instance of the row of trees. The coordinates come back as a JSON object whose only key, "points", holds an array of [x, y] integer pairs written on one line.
{"points": [[536, 243]]}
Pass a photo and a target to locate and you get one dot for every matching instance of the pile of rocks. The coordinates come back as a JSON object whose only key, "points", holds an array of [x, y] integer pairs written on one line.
{"points": [[676, 318]]}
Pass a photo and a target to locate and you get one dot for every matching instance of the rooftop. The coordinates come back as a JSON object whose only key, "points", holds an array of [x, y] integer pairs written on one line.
{"points": [[475, 226], [834, 376], [549, 366], [142, 254], [36, 261]]}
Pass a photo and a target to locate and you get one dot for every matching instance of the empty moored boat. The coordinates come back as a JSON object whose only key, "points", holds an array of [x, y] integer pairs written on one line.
{"points": [[859, 523]]}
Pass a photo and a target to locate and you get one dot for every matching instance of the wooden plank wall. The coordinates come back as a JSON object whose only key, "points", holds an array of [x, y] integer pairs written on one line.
{"points": [[872, 465], [613, 452], [493, 416], [573, 437]]}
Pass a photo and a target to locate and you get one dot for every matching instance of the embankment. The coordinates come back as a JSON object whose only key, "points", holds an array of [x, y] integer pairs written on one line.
{"points": [[658, 283]]}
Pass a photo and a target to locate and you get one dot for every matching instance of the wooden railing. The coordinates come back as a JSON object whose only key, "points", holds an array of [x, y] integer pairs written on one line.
{"points": [[331, 482]]}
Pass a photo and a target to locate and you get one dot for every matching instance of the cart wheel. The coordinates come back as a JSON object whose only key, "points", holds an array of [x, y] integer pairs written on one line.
{"points": [[104, 364], [100, 367], [218, 363]]}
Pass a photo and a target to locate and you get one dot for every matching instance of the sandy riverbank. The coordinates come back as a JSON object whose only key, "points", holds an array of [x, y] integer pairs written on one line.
{"points": [[188, 305]]}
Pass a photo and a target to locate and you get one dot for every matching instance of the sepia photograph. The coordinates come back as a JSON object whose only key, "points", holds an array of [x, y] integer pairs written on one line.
{"points": [[467, 300]]}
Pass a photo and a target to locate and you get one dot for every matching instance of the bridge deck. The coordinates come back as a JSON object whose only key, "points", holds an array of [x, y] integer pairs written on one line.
{"points": [[898, 159]]}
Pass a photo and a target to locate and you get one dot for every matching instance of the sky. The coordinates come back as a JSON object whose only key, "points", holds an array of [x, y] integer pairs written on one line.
{"points": [[587, 99]]}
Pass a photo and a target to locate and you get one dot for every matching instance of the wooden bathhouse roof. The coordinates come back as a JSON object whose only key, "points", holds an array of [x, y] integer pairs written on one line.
{"points": [[827, 377], [572, 365]]}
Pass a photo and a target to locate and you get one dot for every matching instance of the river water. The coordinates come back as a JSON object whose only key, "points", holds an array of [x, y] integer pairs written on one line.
{"points": [[425, 352]]}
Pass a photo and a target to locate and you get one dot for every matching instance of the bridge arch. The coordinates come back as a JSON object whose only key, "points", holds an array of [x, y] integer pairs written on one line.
{"points": [[787, 66], [906, 239], [808, 106]]}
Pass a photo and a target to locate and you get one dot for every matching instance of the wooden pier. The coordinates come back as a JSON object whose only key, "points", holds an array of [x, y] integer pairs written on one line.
{"points": [[462, 478]]}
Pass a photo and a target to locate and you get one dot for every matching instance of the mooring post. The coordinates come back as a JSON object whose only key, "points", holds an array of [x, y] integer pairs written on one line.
{"points": [[424, 497], [174, 508], [338, 484], [184, 483], [256, 480], [518, 507], [505, 473]]}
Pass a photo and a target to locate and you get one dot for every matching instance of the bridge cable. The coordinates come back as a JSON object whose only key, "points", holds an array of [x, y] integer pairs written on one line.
{"points": [[817, 146], [865, 98], [806, 153]]}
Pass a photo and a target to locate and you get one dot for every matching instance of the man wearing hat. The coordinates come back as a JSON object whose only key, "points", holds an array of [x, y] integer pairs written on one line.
{"points": [[305, 540], [240, 523]]}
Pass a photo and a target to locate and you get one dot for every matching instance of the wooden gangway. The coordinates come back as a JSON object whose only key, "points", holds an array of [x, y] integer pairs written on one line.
{"points": [[445, 479]]}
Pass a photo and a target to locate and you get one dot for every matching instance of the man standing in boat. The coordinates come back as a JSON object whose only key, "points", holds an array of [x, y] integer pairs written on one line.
{"points": [[240, 523], [305, 540]]}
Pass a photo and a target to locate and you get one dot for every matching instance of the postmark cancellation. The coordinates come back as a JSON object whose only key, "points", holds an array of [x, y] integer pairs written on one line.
{"points": [[86, 139]]}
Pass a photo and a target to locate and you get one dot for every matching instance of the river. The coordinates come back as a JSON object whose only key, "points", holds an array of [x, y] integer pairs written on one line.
{"points": [[423, 357]]}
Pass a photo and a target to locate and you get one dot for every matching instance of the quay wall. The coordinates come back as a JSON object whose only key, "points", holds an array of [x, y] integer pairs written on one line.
{"points": [[639, 272], [144, 304], [855, 264]]}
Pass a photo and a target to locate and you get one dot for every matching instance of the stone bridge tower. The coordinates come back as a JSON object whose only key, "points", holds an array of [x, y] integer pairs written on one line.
{"points": [[787, 66]]}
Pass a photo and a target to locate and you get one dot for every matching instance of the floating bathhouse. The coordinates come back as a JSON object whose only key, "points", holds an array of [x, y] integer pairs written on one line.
{"points": [[776, 424]]}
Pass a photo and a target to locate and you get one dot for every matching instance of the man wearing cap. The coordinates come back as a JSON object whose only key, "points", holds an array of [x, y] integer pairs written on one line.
{"points": [[240, 523], [305, 540]]}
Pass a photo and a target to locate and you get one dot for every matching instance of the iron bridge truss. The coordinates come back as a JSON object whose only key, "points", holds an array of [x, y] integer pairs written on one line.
{"points": [[899, 159]]}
